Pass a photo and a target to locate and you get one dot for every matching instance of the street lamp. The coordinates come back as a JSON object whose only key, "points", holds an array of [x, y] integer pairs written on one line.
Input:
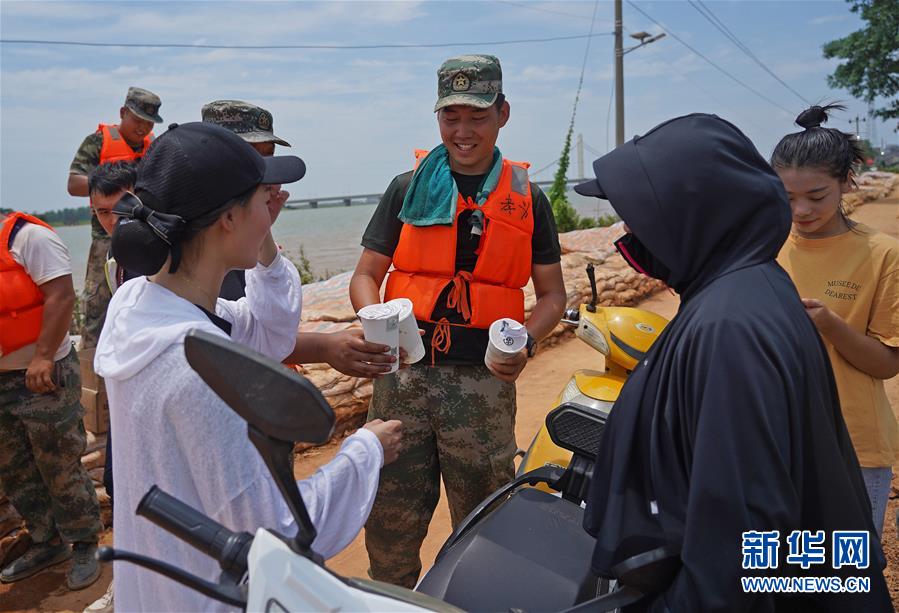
{"points": [[645, 38]]}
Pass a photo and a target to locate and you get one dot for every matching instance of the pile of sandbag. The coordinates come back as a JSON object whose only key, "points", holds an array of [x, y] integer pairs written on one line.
{"points": [[871, 186]]}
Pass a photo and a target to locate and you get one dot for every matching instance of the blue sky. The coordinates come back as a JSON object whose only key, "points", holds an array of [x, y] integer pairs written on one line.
{"points": [[355, 116]]}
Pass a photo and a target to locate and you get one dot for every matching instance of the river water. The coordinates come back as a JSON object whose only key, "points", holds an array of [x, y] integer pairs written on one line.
{"points": [[329, 236]]}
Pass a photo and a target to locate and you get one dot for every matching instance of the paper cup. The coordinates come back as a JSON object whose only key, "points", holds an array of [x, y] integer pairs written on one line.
{"points": [[507, 337], [410, 339], [381, 324]]}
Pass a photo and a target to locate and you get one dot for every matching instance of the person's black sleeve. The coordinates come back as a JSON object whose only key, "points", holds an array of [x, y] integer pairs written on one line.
{"points": [[383, 232], [545, 241]]}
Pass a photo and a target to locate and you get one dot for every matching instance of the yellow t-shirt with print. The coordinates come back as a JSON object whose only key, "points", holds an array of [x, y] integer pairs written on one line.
{"points": [[855, 275]]}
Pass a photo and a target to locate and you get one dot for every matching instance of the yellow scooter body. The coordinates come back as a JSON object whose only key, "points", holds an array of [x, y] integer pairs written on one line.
{"points": [[623, 335]]}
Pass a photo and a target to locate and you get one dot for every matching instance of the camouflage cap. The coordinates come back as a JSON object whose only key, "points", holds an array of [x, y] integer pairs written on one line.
{"points": [[472, 80], [252, 123], [145, 104]]}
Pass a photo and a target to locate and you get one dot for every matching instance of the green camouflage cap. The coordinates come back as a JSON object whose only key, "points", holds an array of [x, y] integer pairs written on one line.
{"points": [[145, 104], [471, 80], [252, 123]]}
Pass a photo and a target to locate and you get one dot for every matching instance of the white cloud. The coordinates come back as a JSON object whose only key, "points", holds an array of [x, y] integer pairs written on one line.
{"points": [[817, 21]]}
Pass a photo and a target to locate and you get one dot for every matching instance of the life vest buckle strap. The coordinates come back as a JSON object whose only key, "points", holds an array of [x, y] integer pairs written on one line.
{"points": [[458, 295]]}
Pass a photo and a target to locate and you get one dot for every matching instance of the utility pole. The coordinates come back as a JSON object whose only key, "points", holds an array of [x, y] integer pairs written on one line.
{"points": [[645, 38], [580, 156], [619, 76]]}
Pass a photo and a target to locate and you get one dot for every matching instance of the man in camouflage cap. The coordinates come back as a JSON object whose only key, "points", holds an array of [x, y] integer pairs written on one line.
{"points": [[127, 140], [346, 351], [252, 123], [449, 253], [255, 125]]}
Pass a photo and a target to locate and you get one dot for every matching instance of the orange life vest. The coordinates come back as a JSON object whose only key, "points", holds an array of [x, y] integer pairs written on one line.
{"points": [[21, 300], [115, 148], [425, 259]]}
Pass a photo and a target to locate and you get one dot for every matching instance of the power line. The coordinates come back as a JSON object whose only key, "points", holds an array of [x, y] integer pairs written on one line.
{"points": [[525, 5], [706, 12], [77, 43], [699, 86], [716, 66]]}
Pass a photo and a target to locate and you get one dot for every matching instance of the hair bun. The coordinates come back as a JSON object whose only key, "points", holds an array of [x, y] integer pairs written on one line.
{"points": [[812, 118], [137, 248]]}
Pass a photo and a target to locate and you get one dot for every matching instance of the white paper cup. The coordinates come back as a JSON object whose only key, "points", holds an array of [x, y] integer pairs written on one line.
{"points": [[507, 338], [381, 324], [410, 339]]}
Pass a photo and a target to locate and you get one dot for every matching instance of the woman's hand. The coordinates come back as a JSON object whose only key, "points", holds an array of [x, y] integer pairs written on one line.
{"points": [[390, 435], [277, 198], [821, 316]]}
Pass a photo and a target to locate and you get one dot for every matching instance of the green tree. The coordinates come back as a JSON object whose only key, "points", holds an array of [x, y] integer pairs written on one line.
{"points": [[871, 68], [567, 218]]}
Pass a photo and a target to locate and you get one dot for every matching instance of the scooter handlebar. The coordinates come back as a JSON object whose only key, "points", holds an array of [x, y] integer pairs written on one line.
{"points": [[229, 548]]}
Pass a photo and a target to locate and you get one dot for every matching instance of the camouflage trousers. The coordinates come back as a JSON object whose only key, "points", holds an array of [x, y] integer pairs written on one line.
{"points": [[42, 439], [97, 295], [459, 423]]}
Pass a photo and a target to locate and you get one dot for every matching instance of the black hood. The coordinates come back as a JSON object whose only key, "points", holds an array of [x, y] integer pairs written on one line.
{"points": [[698, 195]]}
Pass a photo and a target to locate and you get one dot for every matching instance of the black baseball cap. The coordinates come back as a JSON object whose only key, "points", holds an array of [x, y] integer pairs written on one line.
{"points": [[195, 168], [592, 187], [189, 172]]}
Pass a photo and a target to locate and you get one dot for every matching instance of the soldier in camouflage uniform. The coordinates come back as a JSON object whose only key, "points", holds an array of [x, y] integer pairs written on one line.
{"points": [[43, 436], [458, 414], [254, 124], [139, 113]]}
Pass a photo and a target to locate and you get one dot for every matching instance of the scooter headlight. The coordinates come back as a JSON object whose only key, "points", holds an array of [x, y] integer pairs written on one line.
{"points": [[571, 391]]}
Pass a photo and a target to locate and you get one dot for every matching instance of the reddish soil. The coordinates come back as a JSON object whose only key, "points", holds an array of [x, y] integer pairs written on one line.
{"points": [[537, 389]]}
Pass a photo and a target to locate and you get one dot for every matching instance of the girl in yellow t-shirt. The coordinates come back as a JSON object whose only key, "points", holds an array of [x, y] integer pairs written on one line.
{"points": [[847, 275]]}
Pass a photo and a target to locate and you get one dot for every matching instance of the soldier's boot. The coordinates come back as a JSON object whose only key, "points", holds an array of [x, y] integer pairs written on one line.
{"points": [[39, 556], [85, 568]]}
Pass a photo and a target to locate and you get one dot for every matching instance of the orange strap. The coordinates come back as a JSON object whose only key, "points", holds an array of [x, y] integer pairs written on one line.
{"points": [[441, 340], [458, 295]]}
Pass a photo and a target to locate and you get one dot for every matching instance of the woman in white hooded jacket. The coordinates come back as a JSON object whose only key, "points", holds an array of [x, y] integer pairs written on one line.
{"points": [[201, 207]]}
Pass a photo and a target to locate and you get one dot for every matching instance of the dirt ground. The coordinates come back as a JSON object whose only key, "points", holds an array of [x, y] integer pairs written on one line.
{"points": [[537, 390]]}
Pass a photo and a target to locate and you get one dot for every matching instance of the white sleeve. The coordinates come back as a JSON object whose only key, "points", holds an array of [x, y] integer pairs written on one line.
{"points": [[42, 253], [266, 320], [338, 497], [236, 489], [340, 494]]}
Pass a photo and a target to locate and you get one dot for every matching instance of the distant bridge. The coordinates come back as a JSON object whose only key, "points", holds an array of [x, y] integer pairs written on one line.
{"points": [[356, 199]]}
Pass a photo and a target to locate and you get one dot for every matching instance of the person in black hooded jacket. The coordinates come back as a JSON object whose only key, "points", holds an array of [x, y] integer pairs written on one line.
{"points": [[731, 423]]}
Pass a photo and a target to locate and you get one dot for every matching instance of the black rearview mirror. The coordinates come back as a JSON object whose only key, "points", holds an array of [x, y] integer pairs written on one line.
{"points": [[281, 408], [276, 401]]}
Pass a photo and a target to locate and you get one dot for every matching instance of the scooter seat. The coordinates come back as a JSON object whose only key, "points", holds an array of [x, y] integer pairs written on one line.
{"points": [[530, 553]]}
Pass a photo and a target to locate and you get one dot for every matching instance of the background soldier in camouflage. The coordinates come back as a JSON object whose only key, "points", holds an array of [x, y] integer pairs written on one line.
{"points": [[255, 125], [43, 435], [137, 116], [458, 415]]}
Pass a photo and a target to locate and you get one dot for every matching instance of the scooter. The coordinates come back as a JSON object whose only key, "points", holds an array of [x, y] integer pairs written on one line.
{"points": [[491, 562], [623, 335]]}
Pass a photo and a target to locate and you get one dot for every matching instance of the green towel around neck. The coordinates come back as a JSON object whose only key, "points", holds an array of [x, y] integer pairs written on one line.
{"points": [[432, 194]]}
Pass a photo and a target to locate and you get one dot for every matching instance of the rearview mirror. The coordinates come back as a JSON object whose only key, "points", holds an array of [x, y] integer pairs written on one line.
{"points": [[278, 402]]}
